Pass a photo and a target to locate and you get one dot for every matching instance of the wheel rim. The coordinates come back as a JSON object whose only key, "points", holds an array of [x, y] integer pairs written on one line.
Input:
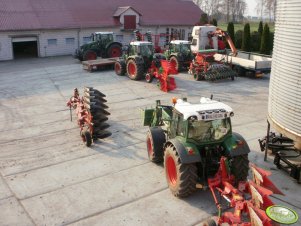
{"points": [[173, 63], [131, 69], [147, 77], [91, 56], [149, 147], [115, 52], [171, 170], [117, 68]]}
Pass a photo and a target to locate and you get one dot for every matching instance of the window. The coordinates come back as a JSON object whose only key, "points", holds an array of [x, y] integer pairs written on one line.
{"points": [[70, 41], [194, 42], [119, 38], [86, 39], [52, 42], [129, 22]]}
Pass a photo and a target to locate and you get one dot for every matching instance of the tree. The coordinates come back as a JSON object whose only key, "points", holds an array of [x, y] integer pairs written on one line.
{"points": [[214, 22], [238, 38], [230, 30], [255, 39], [246, 38], [265, 40], [204, 19], [260, 30]]}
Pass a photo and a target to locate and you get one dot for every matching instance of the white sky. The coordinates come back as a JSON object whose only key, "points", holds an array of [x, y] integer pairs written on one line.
{"points": [[251, 7]]}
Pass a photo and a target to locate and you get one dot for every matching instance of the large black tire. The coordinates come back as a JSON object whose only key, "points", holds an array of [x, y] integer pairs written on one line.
{"points": [[149, 77], [155, 140], [90, 55], [174, 60], [134, 70], [87, 138], [181, 178], [240, 167], [114, 50], [120, 68]]}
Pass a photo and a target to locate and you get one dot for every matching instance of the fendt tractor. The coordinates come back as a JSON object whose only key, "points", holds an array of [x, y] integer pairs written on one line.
{"points": [[191, 139], [179, 54], [102, 45]]}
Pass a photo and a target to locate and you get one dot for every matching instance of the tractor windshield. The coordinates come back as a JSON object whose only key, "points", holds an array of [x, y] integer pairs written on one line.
{"points": [[185, 48], [207, 131], [146, 50]]}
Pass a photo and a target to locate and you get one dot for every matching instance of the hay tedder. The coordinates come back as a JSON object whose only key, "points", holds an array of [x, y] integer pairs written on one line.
{"points": [[199, 150], [91, 114]]}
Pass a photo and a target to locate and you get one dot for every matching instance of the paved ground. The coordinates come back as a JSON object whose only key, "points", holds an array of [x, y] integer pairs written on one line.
{"points": [[48, 177]]}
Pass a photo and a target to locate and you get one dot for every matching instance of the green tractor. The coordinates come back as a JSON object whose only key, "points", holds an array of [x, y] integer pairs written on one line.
{"points": [[102, 45], [191, 139], [138, 60], [179, 54]]}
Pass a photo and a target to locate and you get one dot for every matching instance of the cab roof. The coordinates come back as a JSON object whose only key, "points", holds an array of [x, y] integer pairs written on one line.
{"points": [[104, 32], [139, 43], [177, 42], [204, 108]]}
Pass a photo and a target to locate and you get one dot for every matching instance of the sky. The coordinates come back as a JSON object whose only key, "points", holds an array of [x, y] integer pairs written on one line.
{"points": [[251, 7]]}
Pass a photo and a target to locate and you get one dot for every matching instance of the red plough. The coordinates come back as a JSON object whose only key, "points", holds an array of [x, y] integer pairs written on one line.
{"points": [[249, 200], [91, 114]]}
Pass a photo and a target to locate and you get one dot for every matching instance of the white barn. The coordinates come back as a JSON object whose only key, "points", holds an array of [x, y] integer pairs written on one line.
{"points": [[34, 28]]}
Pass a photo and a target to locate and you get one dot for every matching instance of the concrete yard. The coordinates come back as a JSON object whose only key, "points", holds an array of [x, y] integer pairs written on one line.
{"points": [[48, 176]]}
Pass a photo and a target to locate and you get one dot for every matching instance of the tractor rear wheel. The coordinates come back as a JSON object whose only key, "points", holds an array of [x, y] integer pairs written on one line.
{"points": [[90, 55], [181, 178], [114, 50], [119, 67], [155, 140], [175, 63], [239, 167], [134, 70]]}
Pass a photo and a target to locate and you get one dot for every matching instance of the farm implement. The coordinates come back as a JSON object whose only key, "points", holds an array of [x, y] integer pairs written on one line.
{"points": [[199, 150], [140, 62], [204, 67], [91, 114]]}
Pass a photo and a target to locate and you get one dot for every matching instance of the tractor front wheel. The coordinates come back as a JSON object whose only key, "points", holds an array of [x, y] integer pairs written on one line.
{"points": [[134, 70], [119, 68], [114, 51], [90, 55], [181, 178], [155, 140], [149, 77]]}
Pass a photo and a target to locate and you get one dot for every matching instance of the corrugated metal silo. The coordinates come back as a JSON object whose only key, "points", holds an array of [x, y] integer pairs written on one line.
{"points": [[284, 112]]}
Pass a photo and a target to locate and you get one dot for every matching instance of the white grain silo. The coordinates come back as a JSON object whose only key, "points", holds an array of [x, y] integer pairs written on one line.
{"points": [[284, 112]]}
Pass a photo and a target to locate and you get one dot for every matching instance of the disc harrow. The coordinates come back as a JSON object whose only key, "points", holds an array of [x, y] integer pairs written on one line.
{"points": [[92, 113]]}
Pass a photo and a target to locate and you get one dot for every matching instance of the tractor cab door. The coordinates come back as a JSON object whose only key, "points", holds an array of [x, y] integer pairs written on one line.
{"points": [[177, 127]]}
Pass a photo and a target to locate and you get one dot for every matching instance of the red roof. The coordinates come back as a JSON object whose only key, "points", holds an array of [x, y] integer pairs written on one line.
{"points": [[61, 14]]}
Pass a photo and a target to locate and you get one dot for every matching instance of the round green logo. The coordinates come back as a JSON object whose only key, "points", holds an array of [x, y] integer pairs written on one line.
{"points": [[282, 214]]}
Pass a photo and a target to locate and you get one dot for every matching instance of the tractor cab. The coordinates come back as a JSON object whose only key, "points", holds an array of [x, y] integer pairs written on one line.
{"points": [[141, 48], [102, 36], [180, 46], [206, 122]]}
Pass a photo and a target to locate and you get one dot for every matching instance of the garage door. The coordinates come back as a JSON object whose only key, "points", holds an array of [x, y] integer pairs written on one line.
{"points": [[25, 47]]}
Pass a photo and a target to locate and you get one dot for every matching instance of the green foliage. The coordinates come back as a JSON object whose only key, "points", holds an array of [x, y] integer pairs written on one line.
{"points": [[246, 39], [204, 19], [265, 40], [260, 28], [214, 22], [255, 41], [230, 30], [271, 41], [238, 38]]}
